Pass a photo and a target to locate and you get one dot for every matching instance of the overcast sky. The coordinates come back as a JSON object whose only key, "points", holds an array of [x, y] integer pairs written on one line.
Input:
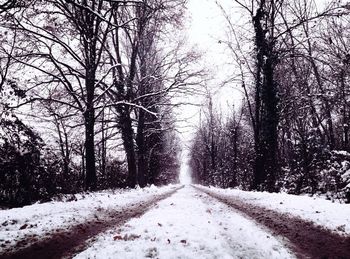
{"points": [[205, 28]]}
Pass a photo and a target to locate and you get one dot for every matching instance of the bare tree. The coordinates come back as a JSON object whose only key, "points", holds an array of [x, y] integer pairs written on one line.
{"points": [[139, 73], [77, 73]]}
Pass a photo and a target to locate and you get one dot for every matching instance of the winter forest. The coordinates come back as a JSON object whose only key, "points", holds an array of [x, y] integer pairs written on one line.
{"points": [[291, 131], [167, 129], [86, 95], [89, 91]]}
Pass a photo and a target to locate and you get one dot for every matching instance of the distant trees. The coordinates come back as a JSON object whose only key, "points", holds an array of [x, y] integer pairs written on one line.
{"points": [[222, 151]]}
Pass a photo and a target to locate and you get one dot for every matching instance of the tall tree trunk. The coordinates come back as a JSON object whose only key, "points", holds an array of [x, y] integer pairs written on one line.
{"points": [[128, 143], [270, 122], [345, 113], [103, 145], [141, 143], [235, 156], [64, 149], [141, 149], [259, 44], [266, 134], [89, 117]]}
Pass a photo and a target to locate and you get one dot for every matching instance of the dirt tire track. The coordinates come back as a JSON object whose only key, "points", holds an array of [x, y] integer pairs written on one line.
{"points": [[64, 243], [307, 240]]}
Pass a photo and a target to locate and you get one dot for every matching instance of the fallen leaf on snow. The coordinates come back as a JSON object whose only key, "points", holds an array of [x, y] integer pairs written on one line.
{"points": [[23, 226], [131, 237], [118, 237]]}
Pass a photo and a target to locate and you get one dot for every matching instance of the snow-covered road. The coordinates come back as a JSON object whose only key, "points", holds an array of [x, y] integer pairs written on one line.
{"points": [[189, 224], [297, 221], [331, 215], [53, 229], [174, 222]]}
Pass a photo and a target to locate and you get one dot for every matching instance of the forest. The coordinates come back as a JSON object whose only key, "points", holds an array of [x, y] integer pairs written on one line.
{"points": [[88, 90], [86, 96], [292, 132]]}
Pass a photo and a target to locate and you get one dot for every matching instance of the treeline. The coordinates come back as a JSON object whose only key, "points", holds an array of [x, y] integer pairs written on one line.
{"points": [[86, 88], [292, 131]]}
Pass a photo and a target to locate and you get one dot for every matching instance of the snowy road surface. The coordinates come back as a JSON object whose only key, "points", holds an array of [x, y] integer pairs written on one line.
{"points": [[54, 229], [332, 215], [187, 223], [307, 237]]}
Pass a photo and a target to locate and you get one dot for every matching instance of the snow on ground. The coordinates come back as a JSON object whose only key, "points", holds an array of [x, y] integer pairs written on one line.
{"points": [[40, 219], [189, 224], [333, 216]]}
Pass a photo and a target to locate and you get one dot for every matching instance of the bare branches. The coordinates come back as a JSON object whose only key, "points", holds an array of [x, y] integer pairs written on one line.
{"points": [[11, 4]]}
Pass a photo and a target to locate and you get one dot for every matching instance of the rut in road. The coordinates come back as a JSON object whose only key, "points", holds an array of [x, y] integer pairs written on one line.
{"points": [[307, 240], [67, 242]]}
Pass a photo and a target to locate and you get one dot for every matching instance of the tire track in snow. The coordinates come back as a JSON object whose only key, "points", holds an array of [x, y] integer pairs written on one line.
{"points": [[67, 242], [188, 226], [243, 235], [306, 239]]}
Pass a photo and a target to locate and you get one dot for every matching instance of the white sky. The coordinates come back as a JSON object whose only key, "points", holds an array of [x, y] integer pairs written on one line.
{"points": [[205, 27]]}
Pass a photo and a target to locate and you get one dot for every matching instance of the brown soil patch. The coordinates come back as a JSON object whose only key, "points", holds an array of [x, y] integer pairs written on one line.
{"points": [[67, 242], [307, 240]]}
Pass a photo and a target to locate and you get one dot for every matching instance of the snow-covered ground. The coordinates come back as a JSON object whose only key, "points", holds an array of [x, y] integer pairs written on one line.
{"points": [[40, 219], [328, 214], [189, 224]]}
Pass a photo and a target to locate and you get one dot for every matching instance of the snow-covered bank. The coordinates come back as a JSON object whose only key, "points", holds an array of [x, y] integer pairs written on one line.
{"points": [[41, 219], [188, 225], [333, 216]]}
